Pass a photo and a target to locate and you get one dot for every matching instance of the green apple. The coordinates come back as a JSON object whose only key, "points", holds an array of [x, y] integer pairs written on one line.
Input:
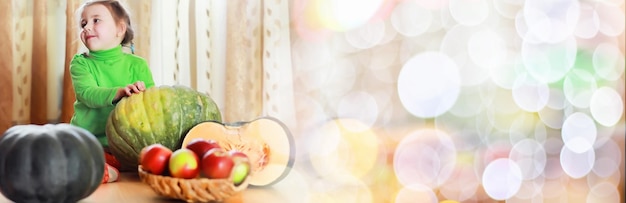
{"points": [[241, 169]]}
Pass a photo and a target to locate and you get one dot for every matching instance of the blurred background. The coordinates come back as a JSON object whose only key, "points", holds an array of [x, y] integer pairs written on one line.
{"points": [[388, 100]]}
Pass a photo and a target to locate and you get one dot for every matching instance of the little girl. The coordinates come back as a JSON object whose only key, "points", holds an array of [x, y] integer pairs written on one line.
{"points": [[105, 74]]}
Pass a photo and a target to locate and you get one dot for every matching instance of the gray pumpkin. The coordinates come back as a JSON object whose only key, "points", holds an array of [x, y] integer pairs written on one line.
{"points": [[49, 163]]}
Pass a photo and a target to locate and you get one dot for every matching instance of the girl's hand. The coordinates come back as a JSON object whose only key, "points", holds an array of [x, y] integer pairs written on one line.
{"points": [[140, 86], [121, 93], [128, 90]]}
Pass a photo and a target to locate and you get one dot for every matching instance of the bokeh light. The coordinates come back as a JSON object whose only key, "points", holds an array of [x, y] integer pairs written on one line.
{"points": [[589, 23], [346, 17], [530, 190], [608, 159], [346, 189], [507, 8], [577, 164], [608, 61], [429, 84], [505, 74], [366, 36], [471, 105], [464, 101], [335, 15], [410, 20], [530, 157], [502, 179], [360, 106], [612, 20], [424, 157], [549, 62], [579, 132], [380, 65], [432, 4], [487, 48], [464, 49], [606, 106], [578, 87], [603, 193], [344, 148], [416, 193], [550, 21], [463, 183], [615, 180], [469, 13], [529, 94], [293, 187], [524, 126]]}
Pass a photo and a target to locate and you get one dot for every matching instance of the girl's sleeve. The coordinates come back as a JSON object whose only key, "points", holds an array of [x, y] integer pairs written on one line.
{"points": [[86, 89], [145, 74]]}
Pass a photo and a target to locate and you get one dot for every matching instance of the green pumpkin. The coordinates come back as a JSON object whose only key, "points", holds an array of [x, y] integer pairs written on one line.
{"points": [[49, 163], [161, 115]]}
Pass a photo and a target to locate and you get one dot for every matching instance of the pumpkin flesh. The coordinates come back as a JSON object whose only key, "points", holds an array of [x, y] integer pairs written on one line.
{"points": [[266, 141]]}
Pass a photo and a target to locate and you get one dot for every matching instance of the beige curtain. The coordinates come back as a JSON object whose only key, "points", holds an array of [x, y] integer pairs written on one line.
{"points": [[31, 84], [6, 66], [72, 42], [186, 42]]}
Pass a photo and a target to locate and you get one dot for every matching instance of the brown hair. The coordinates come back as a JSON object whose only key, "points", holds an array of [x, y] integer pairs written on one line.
{"points": [[119, 13]]}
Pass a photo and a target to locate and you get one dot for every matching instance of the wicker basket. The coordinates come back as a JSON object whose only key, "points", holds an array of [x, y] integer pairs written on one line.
{"points": [[191, 190]]}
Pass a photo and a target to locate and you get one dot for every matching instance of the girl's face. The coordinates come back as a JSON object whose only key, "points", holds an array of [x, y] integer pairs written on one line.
{"points": [[100, 31]]}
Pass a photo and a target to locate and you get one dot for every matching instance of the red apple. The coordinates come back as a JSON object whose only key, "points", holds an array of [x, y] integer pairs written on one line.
{"points": [[217, 163], [242, 167], [154, 158], [201, 146], [237, 154], [184, 163]]}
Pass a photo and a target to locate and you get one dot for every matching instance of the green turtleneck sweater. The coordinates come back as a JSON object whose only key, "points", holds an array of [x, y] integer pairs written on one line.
{"points": [[96, 77]]}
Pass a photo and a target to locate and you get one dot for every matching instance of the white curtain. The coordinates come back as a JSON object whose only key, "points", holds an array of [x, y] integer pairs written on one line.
{"points": [[188, 45], [278, 91]]}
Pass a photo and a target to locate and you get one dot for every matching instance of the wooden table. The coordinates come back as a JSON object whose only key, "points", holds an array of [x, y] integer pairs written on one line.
{"points": [[131, 189], [378, 185]]}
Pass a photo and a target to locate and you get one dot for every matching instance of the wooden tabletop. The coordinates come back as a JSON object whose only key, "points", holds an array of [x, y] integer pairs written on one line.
{"points": [[370, 177], [131, 189]]}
